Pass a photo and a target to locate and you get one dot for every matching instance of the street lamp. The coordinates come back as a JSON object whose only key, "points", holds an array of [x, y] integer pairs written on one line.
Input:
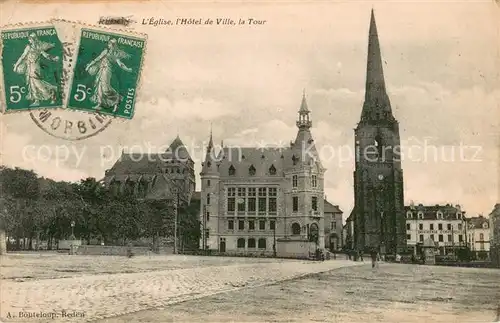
{"points": [[274, 236], [72, 230]]}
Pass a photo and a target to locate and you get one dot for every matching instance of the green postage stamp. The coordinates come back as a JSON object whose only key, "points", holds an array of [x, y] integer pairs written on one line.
{"points": [[106, 72], [31, 67]]}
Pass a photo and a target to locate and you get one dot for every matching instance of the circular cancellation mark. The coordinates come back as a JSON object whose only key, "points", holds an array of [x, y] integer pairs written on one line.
{"points": [[70, 125]]}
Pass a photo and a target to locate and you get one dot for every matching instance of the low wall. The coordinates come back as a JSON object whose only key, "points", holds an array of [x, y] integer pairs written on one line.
{"points": [[66, 244], [295, 248], [111, 250]]}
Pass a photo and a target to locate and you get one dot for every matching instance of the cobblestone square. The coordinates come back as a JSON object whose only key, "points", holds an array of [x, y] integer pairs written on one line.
{"points": [[101, 287]]}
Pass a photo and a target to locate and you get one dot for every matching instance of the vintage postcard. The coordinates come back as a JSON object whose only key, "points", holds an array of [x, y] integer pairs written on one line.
{"points": [[267, 161]]}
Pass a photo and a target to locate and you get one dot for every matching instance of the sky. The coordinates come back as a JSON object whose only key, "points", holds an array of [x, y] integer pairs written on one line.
{"points": [[246, 83]]}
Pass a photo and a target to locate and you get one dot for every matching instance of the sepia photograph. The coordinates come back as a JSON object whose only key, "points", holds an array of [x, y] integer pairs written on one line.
{"points": [[266, 161]]}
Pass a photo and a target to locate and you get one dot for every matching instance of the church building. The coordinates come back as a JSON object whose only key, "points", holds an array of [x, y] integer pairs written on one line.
{"points": [[162, 176], [378, 217], [264, 201]]}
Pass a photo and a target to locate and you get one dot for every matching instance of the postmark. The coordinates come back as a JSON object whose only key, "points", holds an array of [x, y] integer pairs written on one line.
{"points": [[106, 73], [64, 123], [70, 125], [31, 67]]}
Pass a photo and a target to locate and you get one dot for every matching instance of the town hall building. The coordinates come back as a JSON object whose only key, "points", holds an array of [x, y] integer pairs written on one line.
{"points": [[264, 201]]}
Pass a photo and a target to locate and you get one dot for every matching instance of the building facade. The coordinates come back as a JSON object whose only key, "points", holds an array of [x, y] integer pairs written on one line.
{"points": [[495, 235], [160, 176], [333, 227], [263, 200], [443, 224], [379, 221], [478, 236]]}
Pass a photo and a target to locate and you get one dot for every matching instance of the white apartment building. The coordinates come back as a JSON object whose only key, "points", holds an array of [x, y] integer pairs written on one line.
{"points": [[478, 235], [444, 224]]}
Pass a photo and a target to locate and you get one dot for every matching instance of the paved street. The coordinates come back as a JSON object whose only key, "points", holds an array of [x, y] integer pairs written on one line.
{"points": [[107, 295], [391, 293]]}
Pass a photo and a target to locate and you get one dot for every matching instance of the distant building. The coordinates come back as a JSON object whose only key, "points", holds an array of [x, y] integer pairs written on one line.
{"points": [[348, 232], [443, 224], [478, 235], [379, 221], [157, 176], [333, 227], [495, 235], [261, 200]]}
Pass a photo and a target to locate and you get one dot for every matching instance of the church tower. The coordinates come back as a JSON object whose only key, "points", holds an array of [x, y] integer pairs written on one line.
{"points": [[209, 211], [305, 195], [379, 219]]}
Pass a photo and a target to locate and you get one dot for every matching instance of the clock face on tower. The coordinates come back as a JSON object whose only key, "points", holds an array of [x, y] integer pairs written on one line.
{"points": [[380, 177]]}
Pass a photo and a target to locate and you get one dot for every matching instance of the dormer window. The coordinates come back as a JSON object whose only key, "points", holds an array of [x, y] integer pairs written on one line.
{"points": [[232, 170], [485, 225], [272, 170], [459, 215], [439, 215], [420, 215], [409, 215], [251, 171]]}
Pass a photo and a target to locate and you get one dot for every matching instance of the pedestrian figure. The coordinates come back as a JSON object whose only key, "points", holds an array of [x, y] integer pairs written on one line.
{"points": [[374, 258], [361, 255]]}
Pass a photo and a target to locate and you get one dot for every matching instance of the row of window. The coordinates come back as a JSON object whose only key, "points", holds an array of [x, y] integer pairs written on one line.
{"points": [[295, 181], [241, 242], [251, 170], [262, 204], [440, 237], [251, 224], [252, 191], [481, 237], [449, 226], [439, 215], [252, 204]]}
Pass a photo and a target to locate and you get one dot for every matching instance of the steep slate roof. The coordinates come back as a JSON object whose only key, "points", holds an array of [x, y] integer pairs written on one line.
{"points": [[178, 150], [330, 208], [478, 222], [140, 163], [261, 159], [430, 212]]}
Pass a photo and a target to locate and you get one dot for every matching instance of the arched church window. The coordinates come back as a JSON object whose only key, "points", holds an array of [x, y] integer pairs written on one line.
{"points": [[209, 164], [251, 170], [314, 181], [295, 229], [295, 180], [272, 170], [295, 160], [232, 170]]}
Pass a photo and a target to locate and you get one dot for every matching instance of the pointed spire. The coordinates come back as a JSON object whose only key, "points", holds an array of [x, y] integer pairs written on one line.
{"points": [[377, 104], [209, 165], [303, 105], [211, 141]]}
